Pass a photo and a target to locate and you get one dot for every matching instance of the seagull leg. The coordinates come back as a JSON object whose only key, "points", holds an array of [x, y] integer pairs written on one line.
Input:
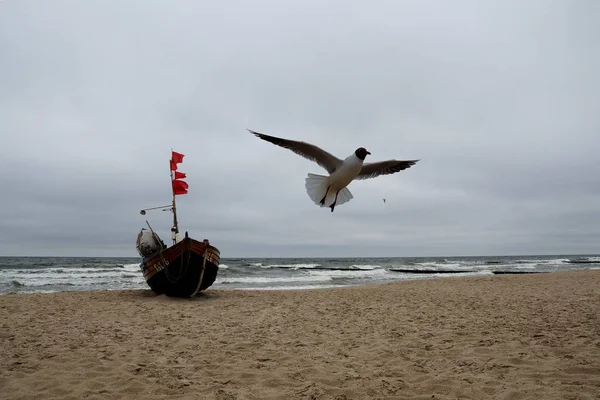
{"points": [[324, 197], [335, 201]]}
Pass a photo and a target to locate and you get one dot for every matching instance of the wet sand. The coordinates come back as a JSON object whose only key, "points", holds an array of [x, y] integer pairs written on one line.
{"points": [[497, 337]]}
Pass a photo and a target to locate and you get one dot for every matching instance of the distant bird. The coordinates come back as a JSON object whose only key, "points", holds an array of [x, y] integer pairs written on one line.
{"points": [[329, 191], [384, 200]]}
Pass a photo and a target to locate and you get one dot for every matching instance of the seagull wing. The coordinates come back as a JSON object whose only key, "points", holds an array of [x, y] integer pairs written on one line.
{"points": [[371, 170], [306, 150]]}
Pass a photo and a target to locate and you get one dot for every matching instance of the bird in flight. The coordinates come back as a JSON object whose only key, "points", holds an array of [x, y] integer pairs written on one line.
{"points": [[329, 191]]}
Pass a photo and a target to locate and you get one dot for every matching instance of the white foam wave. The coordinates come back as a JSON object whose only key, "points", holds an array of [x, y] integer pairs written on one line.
{"points": [[264, 279], [66, 271], [437, 265], [556, 261], [415, 276], [79, 281], [300, 287], [365, 266], [132, 267], [559, 261], [516, 266], [347, 273], [223, 266], [73, 272], [128, 276], [584, 260], [291, 266], [480, 266]]}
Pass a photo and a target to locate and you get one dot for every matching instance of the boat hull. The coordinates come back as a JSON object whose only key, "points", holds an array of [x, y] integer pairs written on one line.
{"points": [[182, 270]]}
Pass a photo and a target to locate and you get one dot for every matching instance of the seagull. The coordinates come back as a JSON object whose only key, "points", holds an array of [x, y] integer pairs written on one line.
{"points": [[329, 191]]}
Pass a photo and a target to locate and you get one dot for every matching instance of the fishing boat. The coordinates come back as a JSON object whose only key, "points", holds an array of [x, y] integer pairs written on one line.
{"points": [[188, 266]]}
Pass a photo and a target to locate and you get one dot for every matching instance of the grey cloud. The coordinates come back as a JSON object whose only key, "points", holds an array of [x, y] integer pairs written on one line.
{"points": [[499, 100]]}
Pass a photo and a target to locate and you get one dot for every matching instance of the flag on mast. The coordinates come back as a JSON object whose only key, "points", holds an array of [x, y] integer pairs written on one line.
{"points": [[179, 186], [176, 158]]}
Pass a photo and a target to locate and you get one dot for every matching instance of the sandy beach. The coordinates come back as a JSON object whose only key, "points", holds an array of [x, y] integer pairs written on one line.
{"points": [[497, 337]]}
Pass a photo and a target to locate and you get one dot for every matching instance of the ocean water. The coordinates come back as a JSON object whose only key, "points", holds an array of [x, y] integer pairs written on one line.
{"points": [[56, 274]]}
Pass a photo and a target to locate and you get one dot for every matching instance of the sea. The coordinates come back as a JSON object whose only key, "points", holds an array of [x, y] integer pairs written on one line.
{"points": [[61, 274]]}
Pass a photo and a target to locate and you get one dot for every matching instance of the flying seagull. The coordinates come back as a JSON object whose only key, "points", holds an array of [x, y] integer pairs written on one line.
{"points": [[329, 191]]}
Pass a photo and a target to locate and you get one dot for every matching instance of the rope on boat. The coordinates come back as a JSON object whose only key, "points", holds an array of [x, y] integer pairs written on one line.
{"points": [[182, 271], [203, 269]]}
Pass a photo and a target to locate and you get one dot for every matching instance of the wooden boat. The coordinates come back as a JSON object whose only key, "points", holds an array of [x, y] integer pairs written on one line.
{"points": [[182, 270], [188, 266]]}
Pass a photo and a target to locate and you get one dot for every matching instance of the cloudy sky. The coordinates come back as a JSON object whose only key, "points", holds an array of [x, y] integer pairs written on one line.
{"points": [[498, 99]]}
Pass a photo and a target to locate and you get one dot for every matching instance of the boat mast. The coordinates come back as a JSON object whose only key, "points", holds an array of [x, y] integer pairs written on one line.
{"points": [[175, 228]]}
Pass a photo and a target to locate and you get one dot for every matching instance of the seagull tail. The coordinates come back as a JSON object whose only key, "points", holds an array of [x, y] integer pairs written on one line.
{"points": [[344, 196], [316, 187]]}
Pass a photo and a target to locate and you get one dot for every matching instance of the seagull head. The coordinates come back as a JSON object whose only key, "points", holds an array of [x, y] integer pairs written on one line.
{"points": [[361, 153]]}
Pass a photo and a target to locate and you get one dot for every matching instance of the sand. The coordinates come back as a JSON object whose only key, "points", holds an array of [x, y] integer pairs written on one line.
{"points": [[497, 337]]}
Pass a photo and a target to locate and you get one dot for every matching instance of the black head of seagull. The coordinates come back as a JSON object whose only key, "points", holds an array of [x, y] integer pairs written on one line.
{"points": [[361, 153]]}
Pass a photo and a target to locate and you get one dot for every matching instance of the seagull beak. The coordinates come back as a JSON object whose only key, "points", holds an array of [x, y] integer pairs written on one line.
{"points": [[368, 152]]}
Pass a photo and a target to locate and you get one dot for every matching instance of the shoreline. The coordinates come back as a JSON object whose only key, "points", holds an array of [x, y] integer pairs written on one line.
{"points": [[524, 336], [290, 288], [375, 282], [54, 275]]}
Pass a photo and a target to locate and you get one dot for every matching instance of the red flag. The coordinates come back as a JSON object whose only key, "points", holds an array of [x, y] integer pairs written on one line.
{"points": [[179, 187], [176, 158], [179, 175]]}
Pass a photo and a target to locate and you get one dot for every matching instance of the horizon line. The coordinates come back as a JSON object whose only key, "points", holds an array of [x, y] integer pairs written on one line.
{"points": [[321, 257]]}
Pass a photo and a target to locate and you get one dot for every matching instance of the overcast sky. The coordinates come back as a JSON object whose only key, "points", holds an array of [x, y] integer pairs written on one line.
{"points": [[498, 99]]}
